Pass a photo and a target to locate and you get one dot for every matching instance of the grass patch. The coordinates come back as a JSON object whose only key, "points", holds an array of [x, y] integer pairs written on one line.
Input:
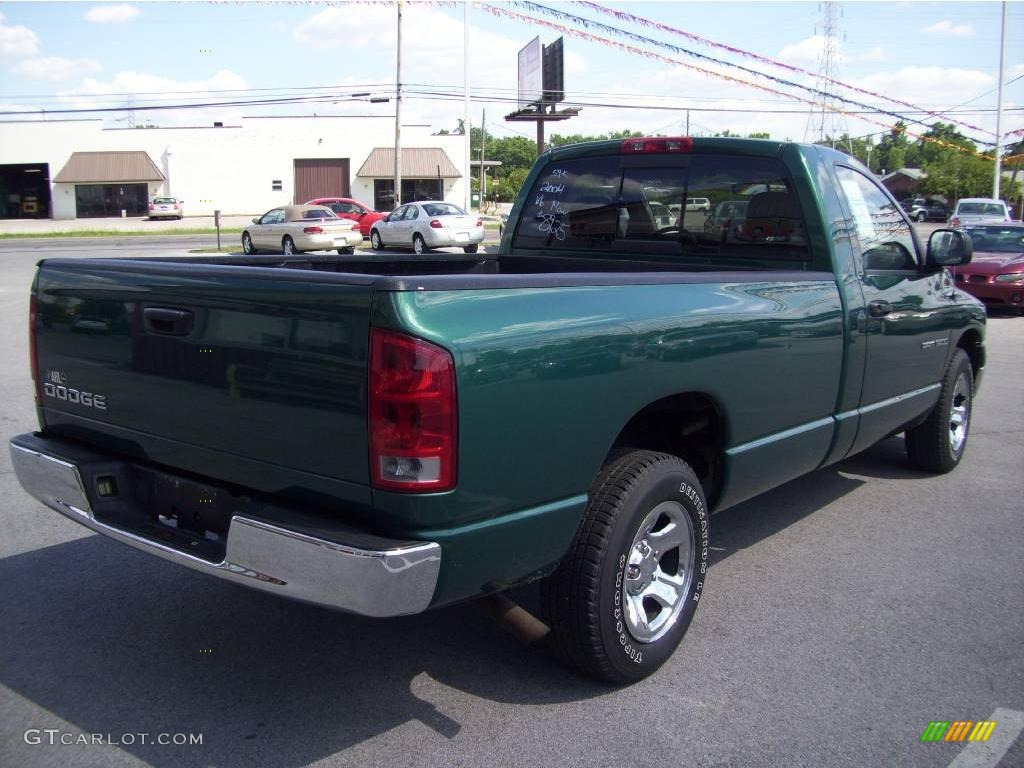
{"points": [[121, 233], [225, 250]]}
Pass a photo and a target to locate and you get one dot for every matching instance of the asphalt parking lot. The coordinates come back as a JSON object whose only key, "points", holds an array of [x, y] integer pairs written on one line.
{"points": [[844, 612]]}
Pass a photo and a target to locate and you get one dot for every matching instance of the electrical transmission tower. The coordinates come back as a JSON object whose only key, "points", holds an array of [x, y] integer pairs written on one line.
{"points": [[823, 122]]}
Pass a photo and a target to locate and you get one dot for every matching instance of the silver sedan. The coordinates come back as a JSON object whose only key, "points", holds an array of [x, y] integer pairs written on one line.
{"points": [[428, 224]]}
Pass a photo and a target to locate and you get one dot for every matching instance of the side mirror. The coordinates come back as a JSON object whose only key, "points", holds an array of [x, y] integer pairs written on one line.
{"points": [[949, 248], [256, 220]]}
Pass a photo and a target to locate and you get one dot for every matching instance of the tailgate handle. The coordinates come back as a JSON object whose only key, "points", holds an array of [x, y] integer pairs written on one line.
{"points": [[167, 322]]}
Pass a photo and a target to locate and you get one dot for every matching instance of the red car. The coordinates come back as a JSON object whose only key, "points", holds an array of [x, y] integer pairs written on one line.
{"points": [[995, 273], [346, 208]]}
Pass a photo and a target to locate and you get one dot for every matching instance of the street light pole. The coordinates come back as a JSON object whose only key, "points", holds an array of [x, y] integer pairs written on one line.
{"points": [[999, 109], [398, 115]]}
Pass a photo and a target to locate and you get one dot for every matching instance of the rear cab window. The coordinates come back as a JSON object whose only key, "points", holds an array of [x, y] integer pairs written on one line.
{"points": [[710, 210]]}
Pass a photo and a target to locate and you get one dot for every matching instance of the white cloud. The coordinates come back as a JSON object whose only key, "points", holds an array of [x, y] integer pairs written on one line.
{"points": [[807, 50], [17, 40], [111, 14], [949, 29], [875, 55], [55, 68], [120, 90]]}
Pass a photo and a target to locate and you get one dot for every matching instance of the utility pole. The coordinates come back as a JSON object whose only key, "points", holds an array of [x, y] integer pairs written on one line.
{"points": [[398, 115], [483, 143], [999, 109], [467, 173], [687, 123]]}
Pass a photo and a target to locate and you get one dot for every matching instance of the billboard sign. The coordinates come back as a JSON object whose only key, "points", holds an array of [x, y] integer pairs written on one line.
{"points": [[531, 78], [554, 73]]}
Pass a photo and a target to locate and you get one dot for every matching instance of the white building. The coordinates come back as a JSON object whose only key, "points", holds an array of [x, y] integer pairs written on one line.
{"points": [[77, 168]]}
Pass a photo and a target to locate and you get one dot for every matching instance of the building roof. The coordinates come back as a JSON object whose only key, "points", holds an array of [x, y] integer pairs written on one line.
{"points": [[419, 163], [911, 173], [100, 167]]}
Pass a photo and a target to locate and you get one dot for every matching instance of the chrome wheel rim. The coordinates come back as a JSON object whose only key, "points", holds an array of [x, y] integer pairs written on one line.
{"points": [[417, 245], [288, 247], [246, 244], [959, 414], [375, 241], [659, 572]]}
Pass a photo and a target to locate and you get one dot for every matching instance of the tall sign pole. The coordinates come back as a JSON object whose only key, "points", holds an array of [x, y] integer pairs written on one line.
{"points": [[999, 109], [398, 114]]}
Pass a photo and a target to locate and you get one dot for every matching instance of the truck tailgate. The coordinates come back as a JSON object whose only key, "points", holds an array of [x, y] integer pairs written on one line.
{"points": [[198, 365]]}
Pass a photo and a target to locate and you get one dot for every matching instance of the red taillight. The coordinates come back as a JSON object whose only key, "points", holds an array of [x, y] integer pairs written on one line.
{"points": [[176, 206], [436, 224], [412, 413], [33, 356], [657, 144], [313, 230], [479, 222], [954, 222], [152, 207]]}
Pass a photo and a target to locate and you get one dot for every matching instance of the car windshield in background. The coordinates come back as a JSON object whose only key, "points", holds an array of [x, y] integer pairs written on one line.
{"points": [[442, 209], [981, 209], [626, 204], [997, 239]]}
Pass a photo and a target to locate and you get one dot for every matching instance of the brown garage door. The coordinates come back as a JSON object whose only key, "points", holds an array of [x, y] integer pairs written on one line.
{"points": [[321, 177]]}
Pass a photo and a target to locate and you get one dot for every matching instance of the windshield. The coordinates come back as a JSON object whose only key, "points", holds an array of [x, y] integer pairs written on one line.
{"points": [[748, 209], [997, 239], [442, 209], [982, 209]]}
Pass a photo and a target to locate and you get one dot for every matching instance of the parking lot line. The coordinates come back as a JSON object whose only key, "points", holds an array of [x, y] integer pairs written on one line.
{"points": [[987, 754]]}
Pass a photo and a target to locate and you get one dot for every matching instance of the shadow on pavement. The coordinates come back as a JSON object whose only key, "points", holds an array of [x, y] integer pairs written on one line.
{"points": [[115, 641]]}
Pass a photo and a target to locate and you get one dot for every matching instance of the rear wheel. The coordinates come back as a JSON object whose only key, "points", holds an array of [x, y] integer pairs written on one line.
{"points": [[418, 246], [288, 245], [347, 251], [623, 597], [470, 248], [939, 442], [375, 242]]}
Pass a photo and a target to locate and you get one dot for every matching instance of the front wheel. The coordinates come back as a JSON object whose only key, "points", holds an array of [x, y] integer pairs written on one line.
{"points": [[375, 242], [625, 594], [922, 216], [939, 442], [247, 247]]}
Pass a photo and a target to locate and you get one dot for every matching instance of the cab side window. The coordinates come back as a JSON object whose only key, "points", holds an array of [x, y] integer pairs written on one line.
{"points": [[886, 241]]}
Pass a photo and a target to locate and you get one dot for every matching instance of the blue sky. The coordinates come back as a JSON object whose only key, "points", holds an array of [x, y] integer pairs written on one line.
{"points": [[84, 55]]}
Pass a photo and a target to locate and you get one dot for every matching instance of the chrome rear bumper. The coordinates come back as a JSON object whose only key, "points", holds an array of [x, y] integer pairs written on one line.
{"points": [[391, 578]]}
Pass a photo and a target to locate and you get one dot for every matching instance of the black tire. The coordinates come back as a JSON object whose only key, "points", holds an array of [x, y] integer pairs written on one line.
{"points": [[921, 216], [347, 251], [587, 599], [375, 242], [471, 248], [418, 246], [288, 246], [939, 442], [247, 246]]}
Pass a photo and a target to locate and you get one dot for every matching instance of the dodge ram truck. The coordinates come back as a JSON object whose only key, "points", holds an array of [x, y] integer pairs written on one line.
{"points": [[387, 434]]}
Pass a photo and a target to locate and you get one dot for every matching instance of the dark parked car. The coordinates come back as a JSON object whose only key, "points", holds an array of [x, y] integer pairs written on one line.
{"points": [[920, 209]]}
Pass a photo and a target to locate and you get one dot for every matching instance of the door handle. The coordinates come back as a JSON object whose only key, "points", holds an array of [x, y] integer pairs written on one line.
{"points": [[879, 308], [167, 322]]}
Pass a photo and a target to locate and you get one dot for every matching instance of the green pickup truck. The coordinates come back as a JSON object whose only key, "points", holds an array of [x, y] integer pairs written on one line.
{"points": [[384, 435]]}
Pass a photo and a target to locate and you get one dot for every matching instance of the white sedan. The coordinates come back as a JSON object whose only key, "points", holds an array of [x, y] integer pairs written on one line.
{"points": [[428, 224], [297, 228]]}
